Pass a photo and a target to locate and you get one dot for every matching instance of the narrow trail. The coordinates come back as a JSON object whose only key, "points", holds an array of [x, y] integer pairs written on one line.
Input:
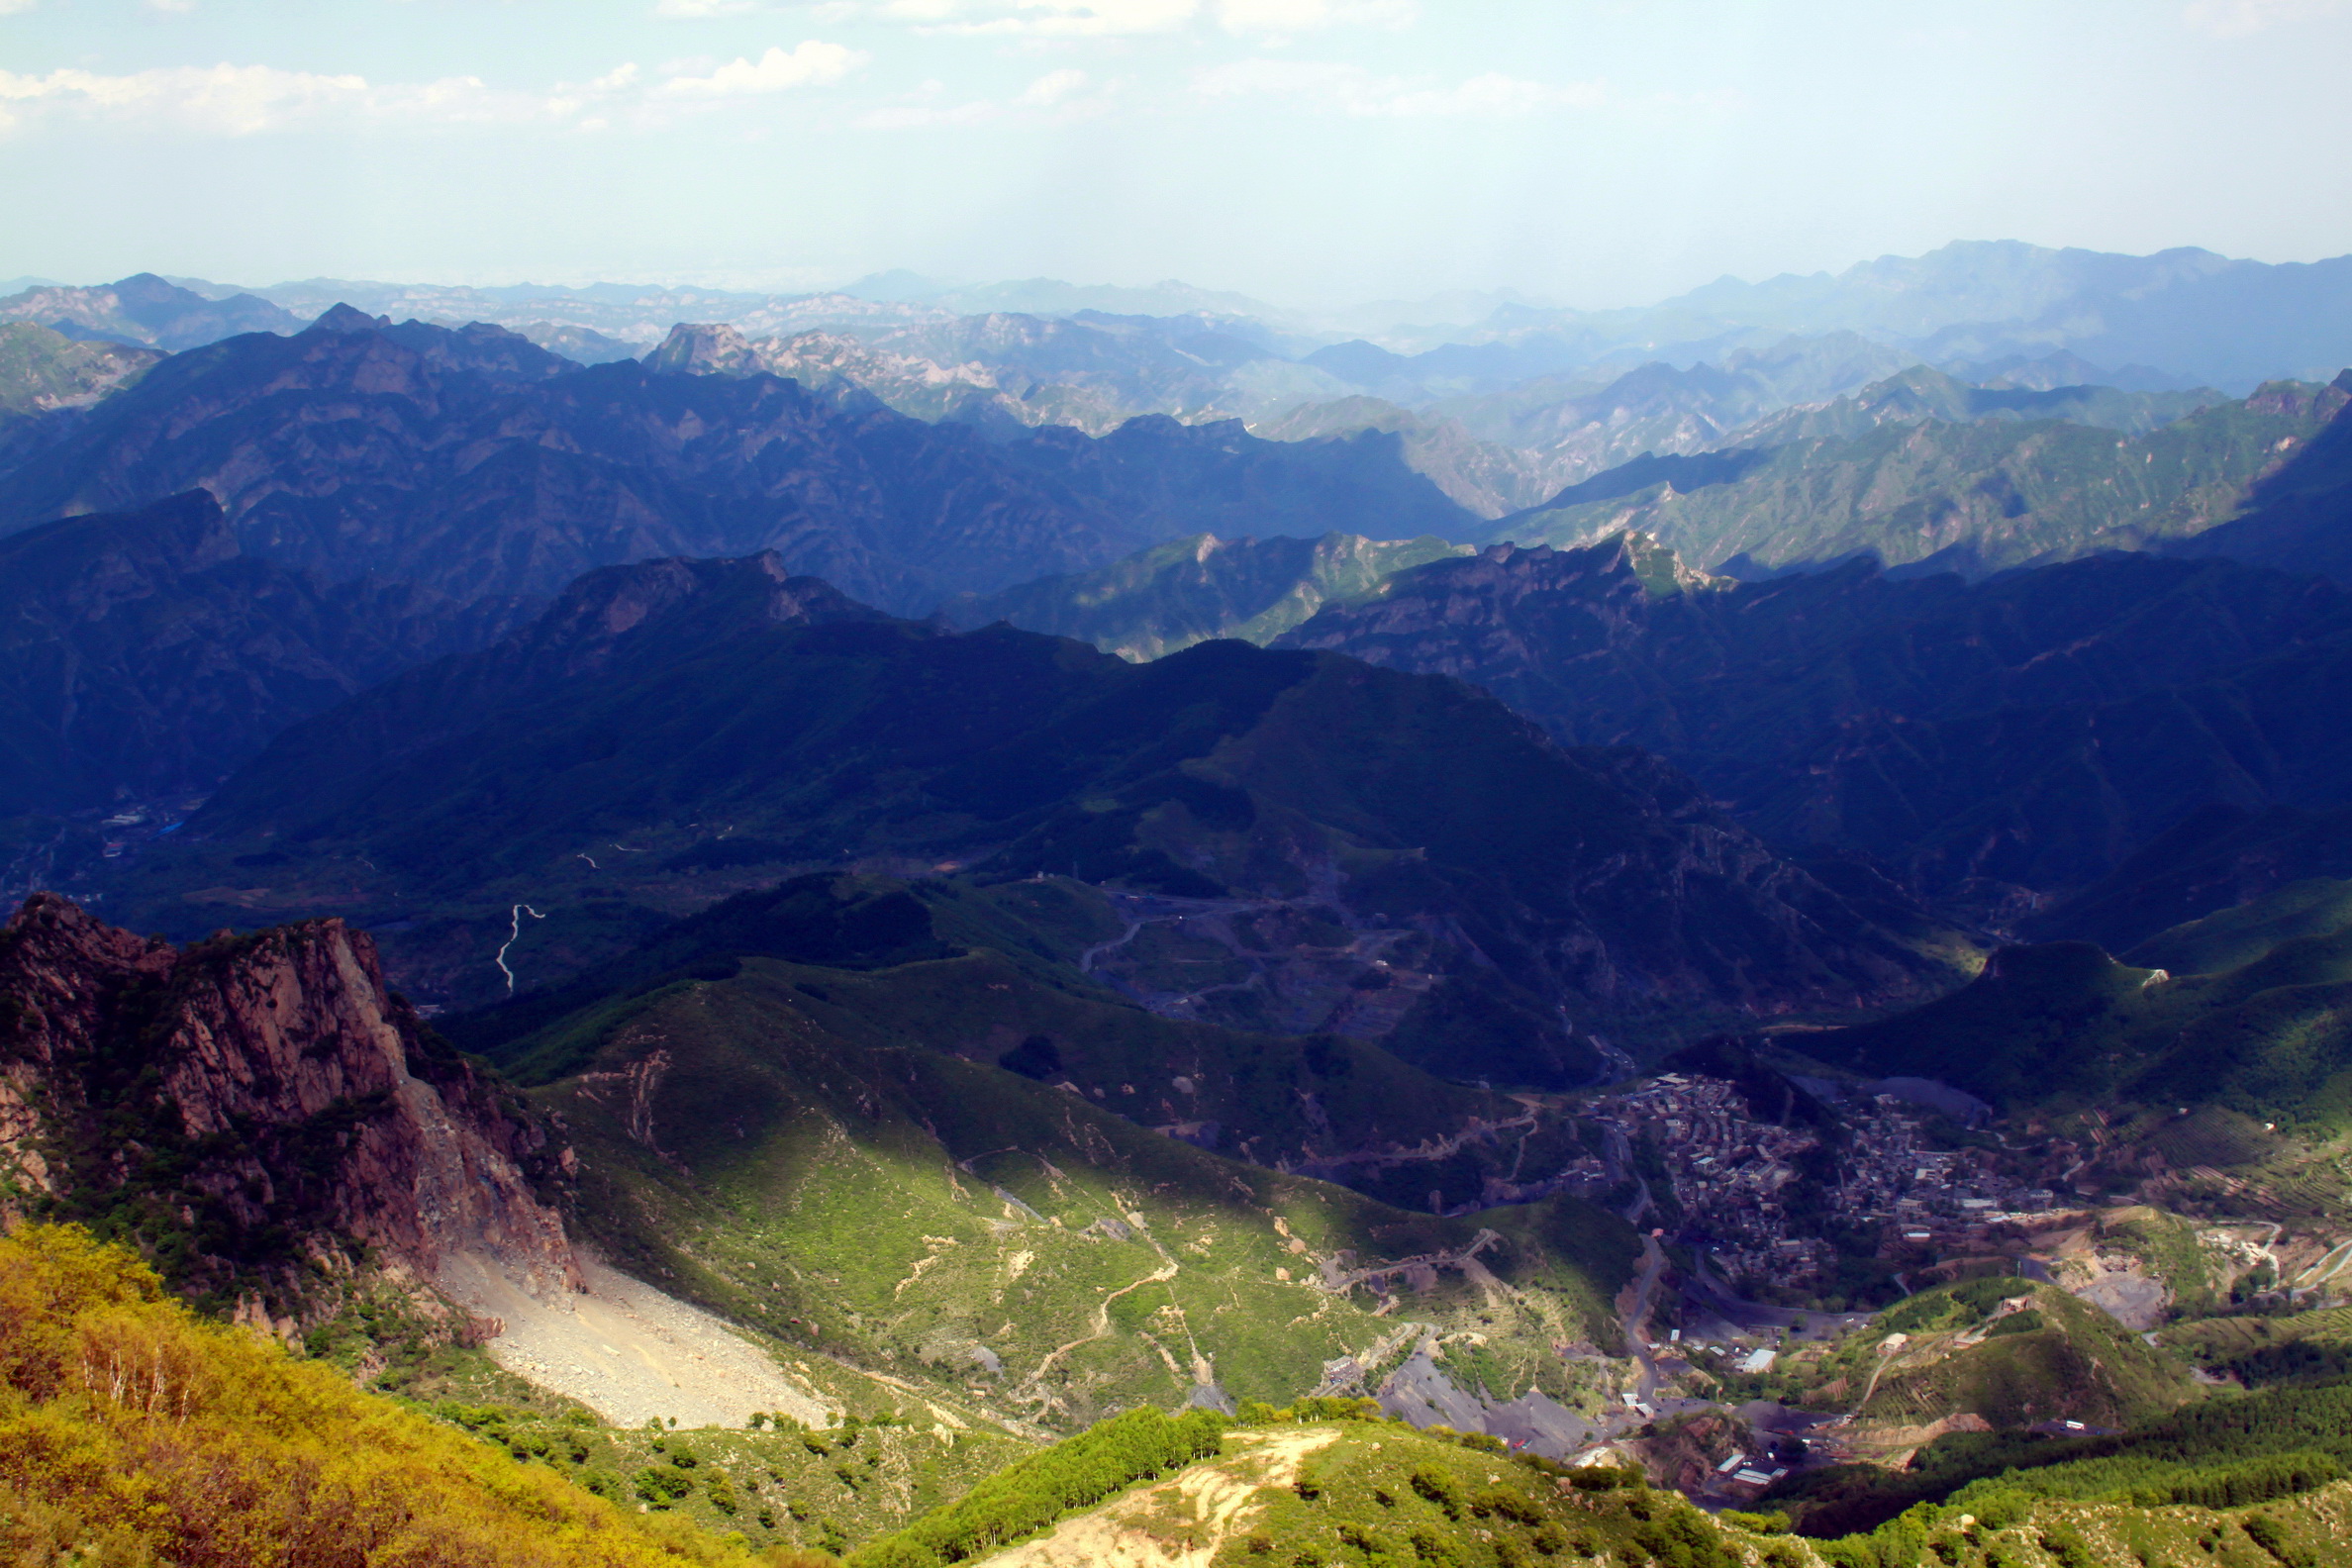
{"points": [[513, 935], [1086, 959], [1636, 1314], [1885, 1360], [1102, 1329]]}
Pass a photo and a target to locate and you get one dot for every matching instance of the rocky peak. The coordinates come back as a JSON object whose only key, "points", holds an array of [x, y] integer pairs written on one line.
{"points": [[248, 1098], [705, 349], [341, 318]]}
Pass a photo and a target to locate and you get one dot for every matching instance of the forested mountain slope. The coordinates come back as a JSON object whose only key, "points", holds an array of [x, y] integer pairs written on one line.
{"points": [[740, 715]]}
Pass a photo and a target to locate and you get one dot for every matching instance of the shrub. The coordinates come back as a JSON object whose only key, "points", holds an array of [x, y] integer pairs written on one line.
{"points": [[1439, 1488]]}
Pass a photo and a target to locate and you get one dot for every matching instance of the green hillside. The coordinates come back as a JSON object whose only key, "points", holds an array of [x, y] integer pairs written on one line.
{"points": [[1976, 496], [1965, 1350], [995, 994], [1921, 393], [2064, 1025], [2244, 933], [1367, 827], [41, 370], [2284, 1452], [1190, 590], [1014, 1246]]}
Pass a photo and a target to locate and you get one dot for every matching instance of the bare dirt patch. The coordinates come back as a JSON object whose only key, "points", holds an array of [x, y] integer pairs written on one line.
{"points": [[1181, 1523]]}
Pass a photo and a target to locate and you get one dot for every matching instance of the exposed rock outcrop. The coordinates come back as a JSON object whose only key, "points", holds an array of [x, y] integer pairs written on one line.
{"points": [[248, 1100]]}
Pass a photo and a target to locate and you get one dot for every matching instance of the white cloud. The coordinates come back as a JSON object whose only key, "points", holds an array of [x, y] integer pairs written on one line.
{"points": [[1051, 88], [11, 7], [915, 117], [812, 63], [691, 10], [236, 99], [172, 4], [1351, 89], [2238, 18], [246, 100], [1302, 16], [1045, 17], [1057, 97]]}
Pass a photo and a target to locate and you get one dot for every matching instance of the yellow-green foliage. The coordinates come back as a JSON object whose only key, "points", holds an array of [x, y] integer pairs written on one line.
{"points": [[1032, 1494], [778, 1486], [129, 1425]]}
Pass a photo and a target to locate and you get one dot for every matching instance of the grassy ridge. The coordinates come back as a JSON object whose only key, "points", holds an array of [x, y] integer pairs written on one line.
{"points": [[1359, 1491]]}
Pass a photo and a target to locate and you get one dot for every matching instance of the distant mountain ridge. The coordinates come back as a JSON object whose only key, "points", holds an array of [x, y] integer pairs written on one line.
{"points": [[476, 463], [145, 311], [1975, 497]]}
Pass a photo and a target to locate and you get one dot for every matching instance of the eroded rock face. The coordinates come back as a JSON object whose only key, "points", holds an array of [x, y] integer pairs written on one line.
{"points": [[249, 1100]]}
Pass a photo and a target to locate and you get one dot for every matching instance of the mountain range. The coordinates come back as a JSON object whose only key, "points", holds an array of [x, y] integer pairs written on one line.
{"points": [[937, 920], [476, 463], [1997, 306], [1499, 414]]}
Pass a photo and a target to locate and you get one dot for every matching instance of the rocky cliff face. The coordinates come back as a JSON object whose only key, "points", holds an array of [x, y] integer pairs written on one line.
{"points": [[247, 1102]]}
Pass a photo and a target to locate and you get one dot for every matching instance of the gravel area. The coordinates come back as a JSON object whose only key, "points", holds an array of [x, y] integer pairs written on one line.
{"points": [[629, 1352]]}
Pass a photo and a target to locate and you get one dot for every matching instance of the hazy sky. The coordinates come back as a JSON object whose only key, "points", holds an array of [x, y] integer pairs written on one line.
{"points": [[1298, 149]]}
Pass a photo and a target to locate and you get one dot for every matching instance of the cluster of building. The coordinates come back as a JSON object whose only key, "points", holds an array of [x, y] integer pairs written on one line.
{"points": [[1733, 1177], [1891, 1178], [1727, 1172]]}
